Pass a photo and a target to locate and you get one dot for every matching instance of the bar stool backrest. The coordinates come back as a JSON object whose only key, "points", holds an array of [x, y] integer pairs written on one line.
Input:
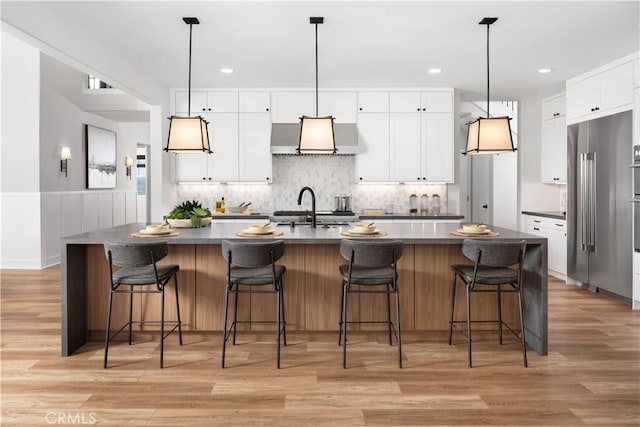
{"points": [[135, 254], [494, 253], [367, 253], [252, 254]]}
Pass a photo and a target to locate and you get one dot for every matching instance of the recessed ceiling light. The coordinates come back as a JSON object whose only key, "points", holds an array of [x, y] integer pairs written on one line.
{"points": [[226, 70], [545, 70], [434, 70]]}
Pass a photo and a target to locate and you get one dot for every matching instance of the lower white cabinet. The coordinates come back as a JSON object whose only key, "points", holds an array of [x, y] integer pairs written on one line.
{"points": [[555, 230]]}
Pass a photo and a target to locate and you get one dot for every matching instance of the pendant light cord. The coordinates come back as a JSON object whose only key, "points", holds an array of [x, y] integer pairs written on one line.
{"points": [[316, 70], [488, 98], [189, 95]]}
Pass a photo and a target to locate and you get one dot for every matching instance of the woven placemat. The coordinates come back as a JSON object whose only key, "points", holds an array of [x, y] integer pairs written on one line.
{"points": [[489, 234], [272, 234], [376, 234], [155, 236]]}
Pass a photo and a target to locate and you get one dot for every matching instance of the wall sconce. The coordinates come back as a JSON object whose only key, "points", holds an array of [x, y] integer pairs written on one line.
{"points": [[65, 155], [128, 163]]}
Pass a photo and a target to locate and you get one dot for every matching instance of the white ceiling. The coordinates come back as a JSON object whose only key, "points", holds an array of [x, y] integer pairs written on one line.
{"points": [[361, 44]]}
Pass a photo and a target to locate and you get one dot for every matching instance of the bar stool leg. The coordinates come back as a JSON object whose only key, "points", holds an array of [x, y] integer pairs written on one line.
{"points": [[344, 283], [235, 312], [522, 333], [500, 313], [469, 324], [224, 329], [162, 329], [399, 329], [106, 333], [130, 311], [453, 303], [284, 321], [389, 324], [344, 325], [278, 314], [175, 282]]}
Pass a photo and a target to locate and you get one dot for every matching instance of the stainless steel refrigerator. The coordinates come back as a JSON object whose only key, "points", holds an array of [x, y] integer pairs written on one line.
{"points": [[599, 215]]}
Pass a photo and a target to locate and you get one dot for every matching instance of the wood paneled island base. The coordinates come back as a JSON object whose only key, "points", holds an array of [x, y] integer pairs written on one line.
{"points": [[312, 285]]}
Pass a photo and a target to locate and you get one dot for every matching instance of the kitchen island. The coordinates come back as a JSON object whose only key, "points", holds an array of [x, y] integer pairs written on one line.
{"points": [[312, 282]]}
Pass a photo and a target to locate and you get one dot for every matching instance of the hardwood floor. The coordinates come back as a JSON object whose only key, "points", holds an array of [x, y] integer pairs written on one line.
{"points": [[590, 377]]}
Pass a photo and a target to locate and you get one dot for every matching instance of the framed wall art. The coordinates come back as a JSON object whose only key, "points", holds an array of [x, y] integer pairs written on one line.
{"points": [[101, 157]]}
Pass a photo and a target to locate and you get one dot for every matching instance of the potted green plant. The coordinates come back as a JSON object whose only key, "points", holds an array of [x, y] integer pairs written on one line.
{"points": [[189, 214]]}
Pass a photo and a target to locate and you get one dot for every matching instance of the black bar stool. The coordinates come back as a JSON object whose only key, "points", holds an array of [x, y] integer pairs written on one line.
{"points": [[492, 266], [253, 264], [139, 270], [371, 264]]}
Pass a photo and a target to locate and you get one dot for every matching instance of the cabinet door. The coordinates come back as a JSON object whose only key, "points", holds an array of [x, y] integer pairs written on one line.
{"points": [[373, 102], [404, 102], [373, 147], [553, 151], [553, 107], [341, 105], [438, 146], [288, 107], [198, 102], [222, 102], [616, 87], [224, 142], [254, 102], [437, 102], [255, 148], [192, 167], [582, 97], [557, 241], [404, 147]]}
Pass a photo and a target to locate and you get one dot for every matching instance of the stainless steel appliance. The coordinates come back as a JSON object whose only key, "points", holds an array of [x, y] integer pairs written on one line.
{"points": [[598, 212], [636, 197], [343, 204]]}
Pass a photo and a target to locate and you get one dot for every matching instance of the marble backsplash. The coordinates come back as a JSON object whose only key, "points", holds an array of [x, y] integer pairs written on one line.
{"points": [[328, 176]]}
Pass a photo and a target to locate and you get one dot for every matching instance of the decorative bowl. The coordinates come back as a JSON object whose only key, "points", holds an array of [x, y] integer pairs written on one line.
{"points": [[236, 209], [186, 223]]}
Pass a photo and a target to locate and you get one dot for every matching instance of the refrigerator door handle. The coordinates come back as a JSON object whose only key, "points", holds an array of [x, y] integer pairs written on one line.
{"points": [[583, 202], [591, 158]]}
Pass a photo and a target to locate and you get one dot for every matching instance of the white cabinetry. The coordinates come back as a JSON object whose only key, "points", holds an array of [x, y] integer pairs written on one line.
{"points": [[373, 102], [288, 107], [421, 136], [555, 230], [254, 102], [206, 102], [255, 154], [340, 105], [373, 147], [553, 153], [601, 93]]}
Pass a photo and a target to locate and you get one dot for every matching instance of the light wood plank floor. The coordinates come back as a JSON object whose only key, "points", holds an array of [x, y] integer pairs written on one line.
{"points": [[590, 377]]}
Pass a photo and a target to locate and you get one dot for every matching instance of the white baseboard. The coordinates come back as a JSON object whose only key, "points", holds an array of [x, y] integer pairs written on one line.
{"points": [[20, 264]]}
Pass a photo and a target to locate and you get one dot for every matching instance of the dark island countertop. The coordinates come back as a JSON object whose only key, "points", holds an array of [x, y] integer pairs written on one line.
{"points": [[547, 214], [441, 217]]}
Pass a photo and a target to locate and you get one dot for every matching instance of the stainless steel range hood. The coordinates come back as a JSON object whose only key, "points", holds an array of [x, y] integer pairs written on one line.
{"points": [[285, 138]]}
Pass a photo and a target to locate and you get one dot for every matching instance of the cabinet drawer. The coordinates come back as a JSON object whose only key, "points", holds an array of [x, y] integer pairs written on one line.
{"points": [[544, 222]]}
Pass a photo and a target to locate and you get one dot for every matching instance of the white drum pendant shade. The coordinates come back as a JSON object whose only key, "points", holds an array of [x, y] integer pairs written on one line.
{"points": [[188, 135], [489, 136], [316, 135]]}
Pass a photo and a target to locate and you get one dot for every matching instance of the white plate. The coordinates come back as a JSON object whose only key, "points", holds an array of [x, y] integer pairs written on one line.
{"points": [[155, 232], [354, 231], [257, 233], [461, 230]]}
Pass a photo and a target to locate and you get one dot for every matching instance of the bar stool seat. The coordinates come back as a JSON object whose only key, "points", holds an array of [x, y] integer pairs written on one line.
{"points": [[251, 266], [486, 275], [139, 270]]}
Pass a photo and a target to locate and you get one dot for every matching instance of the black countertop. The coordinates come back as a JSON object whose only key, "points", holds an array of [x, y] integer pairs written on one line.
{"points": [[547, 214]]}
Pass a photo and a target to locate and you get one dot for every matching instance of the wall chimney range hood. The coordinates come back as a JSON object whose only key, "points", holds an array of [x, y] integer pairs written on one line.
{"points": [[285, 138]]}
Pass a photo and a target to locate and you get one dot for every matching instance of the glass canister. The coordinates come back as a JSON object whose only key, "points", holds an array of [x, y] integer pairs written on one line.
{"points": [[435, 204], [413, 204], [424, 204]]}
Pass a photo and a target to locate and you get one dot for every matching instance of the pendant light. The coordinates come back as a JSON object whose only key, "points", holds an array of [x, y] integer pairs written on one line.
{"points": [[316, 133], [490, 135], [188, 134]]}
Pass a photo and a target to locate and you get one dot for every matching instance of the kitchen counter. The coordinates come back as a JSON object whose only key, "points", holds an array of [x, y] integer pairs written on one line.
{"points": [[547, 214], [312, 281]]}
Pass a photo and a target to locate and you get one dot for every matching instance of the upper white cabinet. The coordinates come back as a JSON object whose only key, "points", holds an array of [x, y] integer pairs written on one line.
{"points": [[254, 102], [288, 107], [600, 94], [341, 105], [254, 157], [206, 102], [373, 147], [553, 144], [421, 136], [373, 102]]}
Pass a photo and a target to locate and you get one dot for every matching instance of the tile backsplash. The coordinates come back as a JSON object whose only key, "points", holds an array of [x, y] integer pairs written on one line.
{"points": [[328, 176]]}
